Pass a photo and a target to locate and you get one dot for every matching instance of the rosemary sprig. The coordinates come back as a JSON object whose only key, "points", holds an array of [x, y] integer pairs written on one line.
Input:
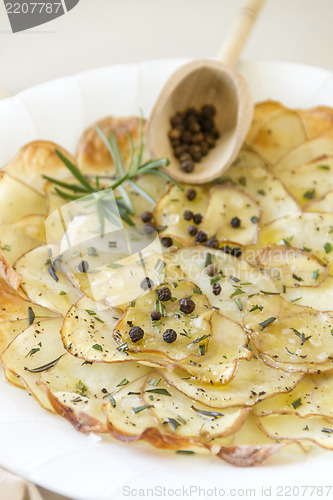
{"points": [[103, 199]]}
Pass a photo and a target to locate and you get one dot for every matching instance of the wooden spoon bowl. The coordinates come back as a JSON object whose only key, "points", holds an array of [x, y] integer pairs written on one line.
{"points": [[194, 84]]}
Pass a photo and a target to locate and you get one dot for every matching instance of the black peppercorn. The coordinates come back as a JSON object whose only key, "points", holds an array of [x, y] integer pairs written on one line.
{"points": [[192, 230], [187, 306], [201, 237], [212, 243], [197, 218], [235, 222], [156, 315], [146, 216], [187, 166], [164, 294], [169, 336], [83, 266], [188, 215], [216, 288], [211, 270], [236, 252], [226, 249], [191, 194], [146, 283], [208, 110], [136, 333], [166, 241]]}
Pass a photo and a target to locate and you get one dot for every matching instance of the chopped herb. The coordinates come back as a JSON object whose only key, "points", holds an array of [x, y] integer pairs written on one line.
{"points": [[114, 265], [233, 278], [286, 241], [315, 274], [267, 322], [123, 348], [261, 192], [295, 300], [298, 278], [296, 404], [208, 259], [202, 349], [7, 248], [52, 273], [213, 414], [269, 293], [90, 312], [185, 452], [43, 368], [154, 381], [98, 319], [161, 391], [254, 219], [175, 285], [123, 382], [301, 336], [306, 249], [204, 337], [328, 247], [215, 279], [97, 347], [159, 266], [33, 351], [197, 291], [141, 408], [246, 283], [31, 316], [81, 388], [62, 293], [310, 194], [111, 399], [236, 292], [92, 252], [327, 430], [173, 423], [324, 167], [238, 304], [254, 308], [193, 316], [283, 288], [242, 181]]}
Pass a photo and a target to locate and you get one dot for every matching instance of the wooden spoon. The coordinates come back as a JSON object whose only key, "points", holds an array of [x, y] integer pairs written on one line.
{"points": [[208, 82]]}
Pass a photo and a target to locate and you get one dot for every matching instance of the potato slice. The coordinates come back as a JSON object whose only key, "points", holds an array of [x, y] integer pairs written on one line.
{"points": [[254, 382], [306, 152], [290, 427], [263, 112], [224, 205], [36, 348], [22, 236], [78, 391], [247, 157], [169, 211], [8, 274], [316, 120], [193, 329], [309, 180], [237, 279], [265, 187], [227, 345], [9, 330], [319, 298], [291, 267], [36, 159], [92, 155], [312, 396], [289, 333], [322, 204], [43, 283], [179, 414], [17, 200], [277, 136], [247, 447], [310, 231]]}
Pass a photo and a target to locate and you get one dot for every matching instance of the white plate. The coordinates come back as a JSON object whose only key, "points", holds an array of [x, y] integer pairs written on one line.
{"points": [[44, 448]]}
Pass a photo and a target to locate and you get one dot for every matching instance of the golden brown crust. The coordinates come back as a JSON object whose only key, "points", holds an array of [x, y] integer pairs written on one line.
{"points": [[316, 120], [35, 159], [92, 155]]}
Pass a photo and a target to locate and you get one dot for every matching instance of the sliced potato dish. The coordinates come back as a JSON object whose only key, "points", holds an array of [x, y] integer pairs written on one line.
{"points": [[197, 318]]}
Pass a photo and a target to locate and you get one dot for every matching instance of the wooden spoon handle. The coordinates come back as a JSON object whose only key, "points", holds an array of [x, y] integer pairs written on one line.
{"points": [[233, 45]]}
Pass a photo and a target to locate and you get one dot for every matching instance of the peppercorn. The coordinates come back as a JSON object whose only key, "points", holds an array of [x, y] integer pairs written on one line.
{"points": [[197, 218], [192, 230], [146, 283], [187, 166], [83, 266], [191, 194], [156, 315], [235, 222], [187, 306], [201, 237], [174, 133], [146, 216], [188, 215], [236, 252], [208, 110], [212, 243], [216, 288], [196, 156], [186, 137], [164, 294], [136, 333], [211, 270], [185, 157], [166, 241], [226, 249], [169, 336], [149, 228]]}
